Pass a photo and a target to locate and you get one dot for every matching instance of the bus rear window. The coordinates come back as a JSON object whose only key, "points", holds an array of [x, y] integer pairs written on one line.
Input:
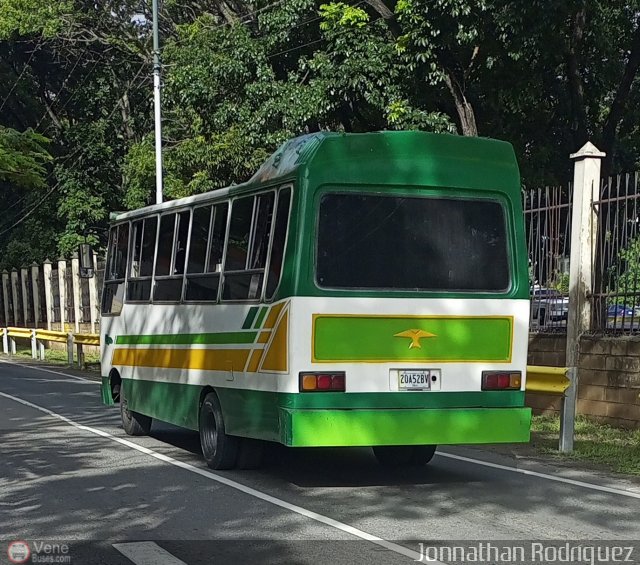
{"points": [[378, 242]]}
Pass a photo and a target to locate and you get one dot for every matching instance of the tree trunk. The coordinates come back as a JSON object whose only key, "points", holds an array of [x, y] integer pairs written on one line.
{"points": [[576, 87], [464, 108], [619, 103]]}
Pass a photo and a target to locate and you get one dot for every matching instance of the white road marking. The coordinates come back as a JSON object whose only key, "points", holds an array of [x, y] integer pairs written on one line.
{"points": [[394, 547], [147, 553], [602, 488], [36, 368]]}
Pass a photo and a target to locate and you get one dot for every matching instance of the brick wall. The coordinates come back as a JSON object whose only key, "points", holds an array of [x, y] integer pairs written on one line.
{"points": [[609, 370]]}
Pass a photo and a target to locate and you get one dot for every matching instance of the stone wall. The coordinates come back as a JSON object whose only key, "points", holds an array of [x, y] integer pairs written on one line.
{"points": [[609, 372]]}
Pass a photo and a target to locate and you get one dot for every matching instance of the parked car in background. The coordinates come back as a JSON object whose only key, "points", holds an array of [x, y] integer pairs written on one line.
{"points": [[623, 317], [549, 307]]}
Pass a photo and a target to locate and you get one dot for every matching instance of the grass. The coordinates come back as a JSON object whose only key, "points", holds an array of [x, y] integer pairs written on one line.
{"points": [[58, 356], [612, 448]]}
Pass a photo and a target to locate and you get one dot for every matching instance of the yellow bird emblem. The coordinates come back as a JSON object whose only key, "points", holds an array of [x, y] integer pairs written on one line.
{"points": [[415, 335]]}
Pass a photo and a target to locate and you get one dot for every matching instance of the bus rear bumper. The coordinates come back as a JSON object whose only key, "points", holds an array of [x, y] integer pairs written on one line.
{"points": [[449, 426]]}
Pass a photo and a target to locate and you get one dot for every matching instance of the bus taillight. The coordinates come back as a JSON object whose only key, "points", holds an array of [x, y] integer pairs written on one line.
{"points": [[322, 382], [501, 380]]}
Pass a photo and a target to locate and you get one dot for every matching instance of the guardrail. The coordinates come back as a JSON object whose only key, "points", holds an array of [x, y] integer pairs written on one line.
{"points": [[557, 381], [38, 337]]}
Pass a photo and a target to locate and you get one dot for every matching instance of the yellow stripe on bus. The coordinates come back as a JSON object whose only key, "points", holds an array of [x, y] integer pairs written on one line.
{"points": [[272, 318], [205, 359]]}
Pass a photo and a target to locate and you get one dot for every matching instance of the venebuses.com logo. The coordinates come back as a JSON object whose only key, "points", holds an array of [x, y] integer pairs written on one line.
{"points": [[18, 552]]}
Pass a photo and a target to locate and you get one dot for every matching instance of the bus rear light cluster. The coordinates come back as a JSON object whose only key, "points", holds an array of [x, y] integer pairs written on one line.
{"points": [[322, 382], [501, 380]]}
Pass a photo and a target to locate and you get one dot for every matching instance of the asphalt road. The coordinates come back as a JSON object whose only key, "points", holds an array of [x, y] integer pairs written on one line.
{"points": [[69, 476]]}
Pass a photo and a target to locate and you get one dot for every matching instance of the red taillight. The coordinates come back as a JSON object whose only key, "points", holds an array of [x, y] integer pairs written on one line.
{"points": [[500, 380], [322, 382]]}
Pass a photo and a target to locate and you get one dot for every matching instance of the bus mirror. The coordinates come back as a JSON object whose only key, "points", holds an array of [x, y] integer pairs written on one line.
{"points": [[85, 253]]}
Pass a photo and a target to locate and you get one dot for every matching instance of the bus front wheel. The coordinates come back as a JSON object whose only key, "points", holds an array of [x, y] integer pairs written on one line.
{"points": [[134, 423], [404, 455], [219, 449]]}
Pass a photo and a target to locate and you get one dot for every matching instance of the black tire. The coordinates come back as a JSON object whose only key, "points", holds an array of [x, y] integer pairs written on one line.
{"points": [[250, 453], [219, 449], [404, 455], [134, 423]]}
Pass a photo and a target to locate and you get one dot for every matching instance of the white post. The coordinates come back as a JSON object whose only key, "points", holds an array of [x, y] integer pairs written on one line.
{"points": [[34, 345], [14, 295], [62, 291], [35, 285], [584, 226], [157, 85], [5, 296], [48, 297], [5, 341], [93, 296], [77, 293], [70, 349], [25, 295]]}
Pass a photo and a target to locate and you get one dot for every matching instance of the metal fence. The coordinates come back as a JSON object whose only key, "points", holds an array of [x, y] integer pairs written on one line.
{"points": [[547, 215], [616, 284]]}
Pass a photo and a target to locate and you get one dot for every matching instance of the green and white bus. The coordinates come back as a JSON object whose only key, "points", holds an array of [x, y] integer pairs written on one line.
{"points": [[360, 290]]}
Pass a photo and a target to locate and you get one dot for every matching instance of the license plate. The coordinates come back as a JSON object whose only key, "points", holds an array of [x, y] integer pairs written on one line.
{"points": [[417, 379]]}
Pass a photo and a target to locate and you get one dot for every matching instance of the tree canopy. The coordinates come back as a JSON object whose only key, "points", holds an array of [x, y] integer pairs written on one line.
{"points": [[240, 77]]}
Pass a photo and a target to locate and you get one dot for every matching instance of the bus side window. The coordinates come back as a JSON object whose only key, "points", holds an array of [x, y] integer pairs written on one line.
{"points": [[279, 240], [208, 230], [143, 243], [114, 285], [171, 256], [247, 248]]}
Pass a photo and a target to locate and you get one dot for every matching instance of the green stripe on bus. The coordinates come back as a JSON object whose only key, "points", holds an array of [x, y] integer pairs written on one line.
{"points": [[188, 339], [250, 317], [333, 428], [260, 318], [445, 339]]}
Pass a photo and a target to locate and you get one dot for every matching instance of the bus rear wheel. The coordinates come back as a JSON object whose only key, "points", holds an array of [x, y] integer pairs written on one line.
{"points": [[404, 455], [134, 423], [219, 449]]}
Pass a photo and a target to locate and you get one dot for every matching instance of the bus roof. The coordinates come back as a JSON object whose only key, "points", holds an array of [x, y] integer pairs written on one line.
{"points": [[410, 158]]}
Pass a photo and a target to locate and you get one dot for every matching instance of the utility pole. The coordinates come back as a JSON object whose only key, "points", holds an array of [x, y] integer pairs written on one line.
{"points": [[157, 70]]}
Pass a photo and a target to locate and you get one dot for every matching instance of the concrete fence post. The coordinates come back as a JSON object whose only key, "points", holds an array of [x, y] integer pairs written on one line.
{"points": [[25, 295], [584, 226], [35, 286], [14, 296], [5, 296], [76, 290], [48, 296], [5, 341], [93, 296], [62, 292]]}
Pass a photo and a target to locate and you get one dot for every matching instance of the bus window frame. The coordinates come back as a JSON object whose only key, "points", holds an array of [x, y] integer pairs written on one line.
{"points": [[255, 195], [108, 282], [280, 189], [176, 227], [446, 193], [153, 266], [211, 205]]}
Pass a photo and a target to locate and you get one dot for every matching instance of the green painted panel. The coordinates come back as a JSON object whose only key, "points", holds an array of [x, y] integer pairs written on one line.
{"points": [[374, 338], [250, 413], [188, 339], [325, 428], [170, 402]]}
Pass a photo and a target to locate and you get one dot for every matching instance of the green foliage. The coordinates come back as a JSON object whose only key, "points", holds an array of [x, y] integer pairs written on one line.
{"points": [[626, 282], [241, 77], [23, 158]]}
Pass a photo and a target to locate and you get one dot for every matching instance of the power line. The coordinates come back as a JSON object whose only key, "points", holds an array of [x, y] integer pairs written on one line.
{"points": [[24, 70], [57, 185]]}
